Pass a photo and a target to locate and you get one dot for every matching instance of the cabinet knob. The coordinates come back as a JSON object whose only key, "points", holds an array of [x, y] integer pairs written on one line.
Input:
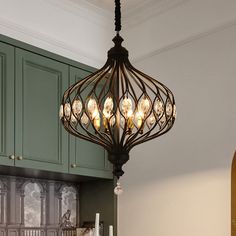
{"points": [[19, 158], [12, 157], [73, 165]]}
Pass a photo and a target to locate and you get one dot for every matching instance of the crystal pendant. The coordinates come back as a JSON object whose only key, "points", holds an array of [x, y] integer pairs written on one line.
{"points": [[144, 105], [84, 119], [169, 109], [92, 108], [127, 107], [77, 107], [108, 107], [158, 107], [162, 120], [73, 120], [112, 121], [174, 112], [67, 110], [61, 113], [151, 121], [118, 190]]}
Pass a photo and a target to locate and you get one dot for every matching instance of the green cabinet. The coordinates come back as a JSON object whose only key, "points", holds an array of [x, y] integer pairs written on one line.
{"points": [[6, 104], [32, 83], [40, 140], [87, 158]]}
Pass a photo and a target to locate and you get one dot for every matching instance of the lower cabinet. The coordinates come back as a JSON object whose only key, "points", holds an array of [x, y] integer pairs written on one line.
{"points": [[87, 158]]}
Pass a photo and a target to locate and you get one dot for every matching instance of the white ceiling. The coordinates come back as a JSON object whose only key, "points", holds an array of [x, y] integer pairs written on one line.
{"points": [[109, 4], [128, 6]]}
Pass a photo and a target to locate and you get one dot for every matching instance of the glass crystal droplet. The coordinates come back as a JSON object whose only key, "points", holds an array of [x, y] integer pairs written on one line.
{"points": [[151, 121], [67, 110], [169, 109], [127, 107], [118, 190], [159, 107], [92, 108], [84, 119], [174, 112], [144, 105], [108, 107], [61, 113], [77, 107]]}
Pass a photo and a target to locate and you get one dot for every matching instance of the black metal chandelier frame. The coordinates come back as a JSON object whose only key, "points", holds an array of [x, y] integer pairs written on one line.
{"points": [[118, 106]]}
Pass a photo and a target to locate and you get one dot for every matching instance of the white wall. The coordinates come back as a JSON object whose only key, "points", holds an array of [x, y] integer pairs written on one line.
{"points": [[179, 184], [59, 26]]}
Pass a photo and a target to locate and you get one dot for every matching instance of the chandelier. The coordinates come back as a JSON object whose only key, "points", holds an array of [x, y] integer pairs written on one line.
{"points": [[118, 107]]}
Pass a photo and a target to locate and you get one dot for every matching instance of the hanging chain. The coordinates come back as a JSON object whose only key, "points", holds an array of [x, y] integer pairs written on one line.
{"points": [[117, 16]]}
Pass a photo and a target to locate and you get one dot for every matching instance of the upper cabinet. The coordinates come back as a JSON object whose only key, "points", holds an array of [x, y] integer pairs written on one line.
{"points": [[87, 158], [31, 133], [40, 140], [6, 104]]}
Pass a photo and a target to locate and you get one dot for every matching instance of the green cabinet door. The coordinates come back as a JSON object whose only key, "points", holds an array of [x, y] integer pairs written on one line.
{"points": [[87, 158], [40, 140], [6, 104]]}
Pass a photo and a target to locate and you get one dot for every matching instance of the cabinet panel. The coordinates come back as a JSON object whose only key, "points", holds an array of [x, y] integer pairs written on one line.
{"points": [[6, 104], [87, 158], [40, 138]]}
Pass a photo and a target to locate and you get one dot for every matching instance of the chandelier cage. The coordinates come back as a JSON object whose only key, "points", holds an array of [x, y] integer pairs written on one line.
{"points": [[118, 106]]}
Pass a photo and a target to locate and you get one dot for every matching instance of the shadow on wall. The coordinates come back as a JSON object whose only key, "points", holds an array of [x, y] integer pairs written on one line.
{"points": [[169, 157]]}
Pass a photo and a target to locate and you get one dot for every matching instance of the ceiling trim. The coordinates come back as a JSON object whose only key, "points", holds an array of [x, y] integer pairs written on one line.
{"points": [[130, 17], [187, 40], [38, 39], [148, 9], [84, 9]]}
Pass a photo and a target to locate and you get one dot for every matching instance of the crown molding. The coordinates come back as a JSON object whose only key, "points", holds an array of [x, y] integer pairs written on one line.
{"points": [[131, 17], [86, 10], [148, 9], [187, 40], [47, 42]]}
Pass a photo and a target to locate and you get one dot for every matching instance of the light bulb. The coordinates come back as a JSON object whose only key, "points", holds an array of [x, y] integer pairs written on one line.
{"points": [[97, 122], [159, 107], [61, 113], [77, 107], [84, 119], [169, 109], [92, 108], [127, 107], [139, 118], [108, 106], [151, 121], [144, 105], [67, 110]]}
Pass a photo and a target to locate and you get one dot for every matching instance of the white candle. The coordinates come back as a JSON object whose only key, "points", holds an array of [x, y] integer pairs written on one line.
{"points": [[96, 233], [110, 230]]}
